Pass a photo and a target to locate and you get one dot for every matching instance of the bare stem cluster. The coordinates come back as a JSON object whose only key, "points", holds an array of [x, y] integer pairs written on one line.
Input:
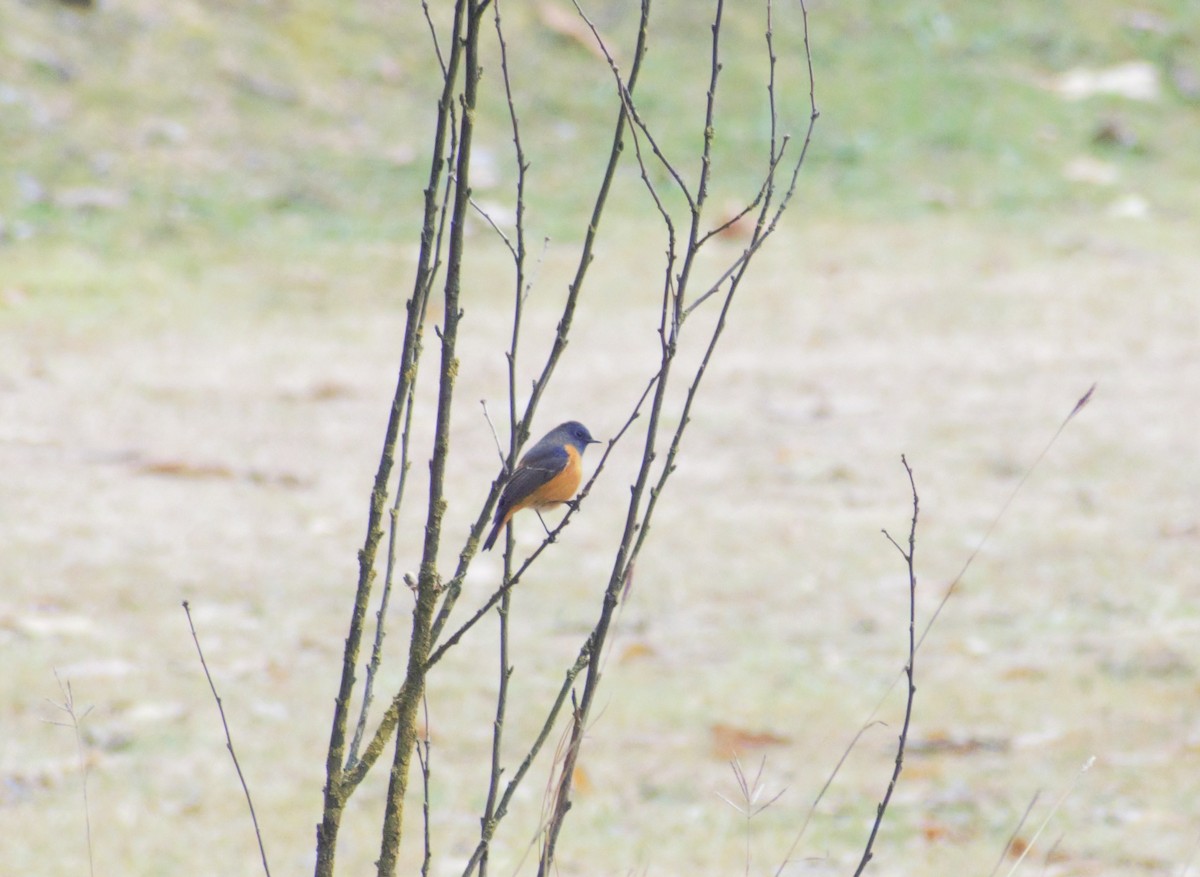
{"points": [[356, 745]]}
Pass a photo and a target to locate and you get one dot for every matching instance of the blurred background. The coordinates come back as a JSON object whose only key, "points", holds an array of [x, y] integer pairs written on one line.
{"points": [[208, 220]]}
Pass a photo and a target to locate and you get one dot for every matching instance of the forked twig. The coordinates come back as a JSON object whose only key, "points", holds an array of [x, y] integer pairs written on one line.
{"points": [[647, 486], [228, 739], [908, 669]]}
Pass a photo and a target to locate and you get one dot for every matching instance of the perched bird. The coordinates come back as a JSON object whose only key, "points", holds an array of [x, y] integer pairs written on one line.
{"points": [[548, 475]]}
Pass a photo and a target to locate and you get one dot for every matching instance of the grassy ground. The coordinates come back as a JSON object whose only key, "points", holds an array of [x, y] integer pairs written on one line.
{"points": [[207, 218]]}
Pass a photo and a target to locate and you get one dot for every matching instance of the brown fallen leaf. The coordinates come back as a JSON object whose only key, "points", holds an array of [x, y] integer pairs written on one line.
{"points": [[635, 651], [948, 743], [568, 25], [933, 831], [184, 469], [728, 741]]}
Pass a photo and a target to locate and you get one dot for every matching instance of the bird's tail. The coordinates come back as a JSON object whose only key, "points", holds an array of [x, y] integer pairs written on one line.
{"points": [[491, 539]]}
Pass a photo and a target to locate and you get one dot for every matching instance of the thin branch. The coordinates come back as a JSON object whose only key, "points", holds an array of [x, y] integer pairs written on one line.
{"points": [[228, 739], [581, 661], [638, 128], [912, 653], [437, 49], [389, 576], [574, 290], [768, 221], [710, 102], [560, 801], [429, 586], [336, 790], [636, 524], [624, 91], [488, 820], [424, 760]]}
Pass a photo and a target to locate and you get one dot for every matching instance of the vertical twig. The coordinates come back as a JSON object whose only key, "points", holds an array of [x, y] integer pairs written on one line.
{"points": [[423, 757], [574, 290], [435, 600], [560, 799], [644, 494], [389, 577], [487, 824], [908, 669], [543, 735], [429, 585], [338, 786], [228, 739]]}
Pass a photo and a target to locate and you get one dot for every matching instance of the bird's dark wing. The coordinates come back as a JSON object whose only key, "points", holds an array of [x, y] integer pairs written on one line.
{"points": [[535, 469], [544, 461]]}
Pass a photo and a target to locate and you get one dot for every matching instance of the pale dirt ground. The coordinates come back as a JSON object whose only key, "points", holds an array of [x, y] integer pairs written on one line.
{"points": [[767, 599]]}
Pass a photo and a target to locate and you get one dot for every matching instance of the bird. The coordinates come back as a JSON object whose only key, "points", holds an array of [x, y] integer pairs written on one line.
{"points": [[548, 475]]}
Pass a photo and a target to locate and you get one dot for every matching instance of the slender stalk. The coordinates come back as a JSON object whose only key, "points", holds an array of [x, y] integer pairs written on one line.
{"points": [[583, 659], [228, 742], [336, 791], [520, 431], [487, 822], [908, 669], [428, 584]]}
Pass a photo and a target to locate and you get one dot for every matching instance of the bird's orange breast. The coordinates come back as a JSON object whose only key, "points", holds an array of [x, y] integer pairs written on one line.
{"points": [[561, 487]]}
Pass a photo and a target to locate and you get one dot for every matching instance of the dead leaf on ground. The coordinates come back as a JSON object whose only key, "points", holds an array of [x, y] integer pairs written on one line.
{"points": [[567, 24], [729, 741], [636, 651], [950, 743], [187, 469], [184, 469]]}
